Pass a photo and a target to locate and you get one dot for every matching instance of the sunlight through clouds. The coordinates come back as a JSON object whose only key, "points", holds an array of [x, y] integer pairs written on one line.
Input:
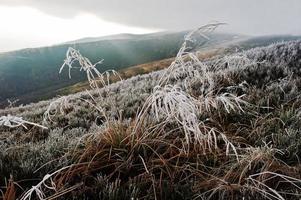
{"points": [[27, 27]]}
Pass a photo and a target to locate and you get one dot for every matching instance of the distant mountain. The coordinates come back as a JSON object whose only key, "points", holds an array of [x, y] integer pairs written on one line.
{"points": [[32, 74], [123, 36], [260, 41], [35, 71]]}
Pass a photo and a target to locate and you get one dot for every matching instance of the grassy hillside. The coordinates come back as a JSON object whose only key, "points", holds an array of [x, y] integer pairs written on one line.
{"points": [[266, 40], [224, 128], [215, 49], [32, 74], [145, 68], [34, 70]]}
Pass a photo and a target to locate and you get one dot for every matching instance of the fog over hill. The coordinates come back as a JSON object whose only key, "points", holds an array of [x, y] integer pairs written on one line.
{"points": [[34, 72]]}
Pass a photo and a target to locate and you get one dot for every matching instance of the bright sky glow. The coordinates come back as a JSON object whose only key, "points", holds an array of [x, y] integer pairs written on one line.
{"points": [[23, 27]]}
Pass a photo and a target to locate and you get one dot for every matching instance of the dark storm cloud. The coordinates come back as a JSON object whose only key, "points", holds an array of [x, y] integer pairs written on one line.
{"points": [[244, 16]]}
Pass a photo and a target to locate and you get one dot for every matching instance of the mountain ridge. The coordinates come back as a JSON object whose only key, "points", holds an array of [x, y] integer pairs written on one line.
{"points": [[34, 72]]}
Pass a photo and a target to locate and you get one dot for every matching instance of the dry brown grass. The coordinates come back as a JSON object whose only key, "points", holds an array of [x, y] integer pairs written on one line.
{"points": [[10, 191]]}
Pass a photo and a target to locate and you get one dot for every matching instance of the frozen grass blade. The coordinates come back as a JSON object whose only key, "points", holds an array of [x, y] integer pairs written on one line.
{"points": [[265, 190], [233, 61], [42, 185], [58, 106], [93, 75], [13, 122], [170, 103], [185, 60]]}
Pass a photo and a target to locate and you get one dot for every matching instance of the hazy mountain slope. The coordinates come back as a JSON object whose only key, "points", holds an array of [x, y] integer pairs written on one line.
{"points": [[32, 74], [31, 70], [265, 40], [238, 43], [203, 54], [124, 36]]}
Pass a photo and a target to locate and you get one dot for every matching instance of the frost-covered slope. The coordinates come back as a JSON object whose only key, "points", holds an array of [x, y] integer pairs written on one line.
{"points": [[269, 78]]}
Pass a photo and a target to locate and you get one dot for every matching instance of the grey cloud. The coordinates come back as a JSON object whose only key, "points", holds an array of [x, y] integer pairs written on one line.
{"points": [[244, 16]]}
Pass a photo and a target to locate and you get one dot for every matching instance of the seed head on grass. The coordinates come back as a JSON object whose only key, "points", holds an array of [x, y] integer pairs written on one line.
{"points": [[221, 102], [93, 75], [58, 106], [170, 103], [73, 56], [186, 60]]}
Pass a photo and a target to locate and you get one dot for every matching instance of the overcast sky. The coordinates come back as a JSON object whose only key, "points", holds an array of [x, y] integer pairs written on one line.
{"points": [[31, 23]]}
